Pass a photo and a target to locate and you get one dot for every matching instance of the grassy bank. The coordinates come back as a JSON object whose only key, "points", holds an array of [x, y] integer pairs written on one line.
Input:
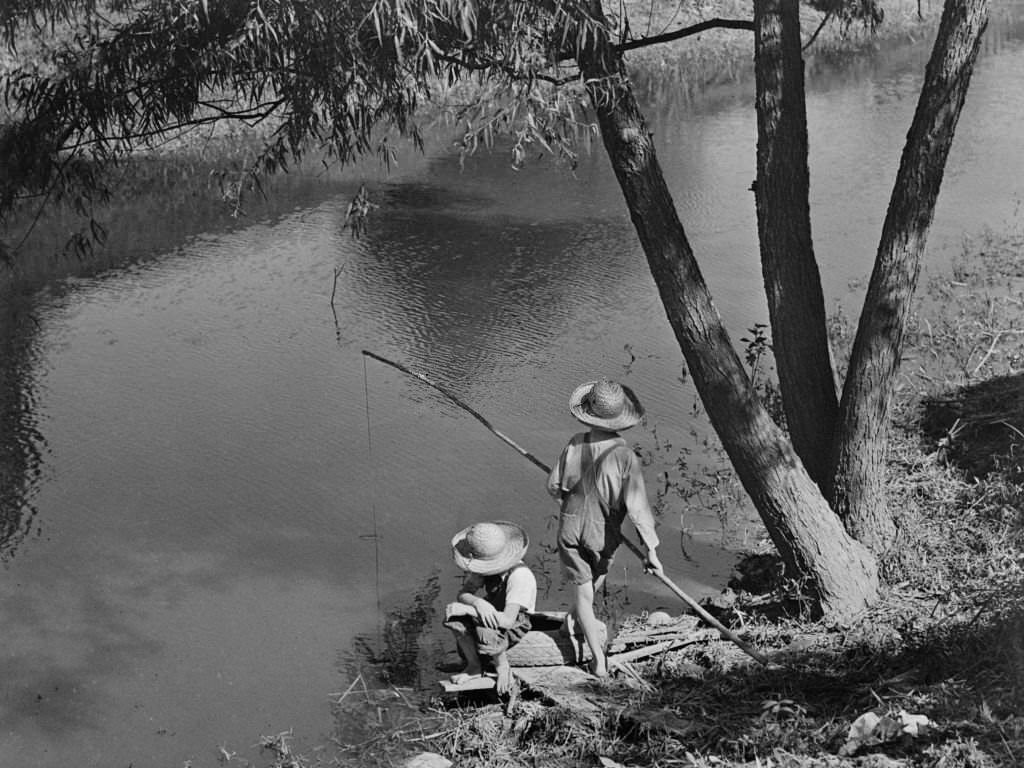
{"points": [[943, 648], [724, 57]]}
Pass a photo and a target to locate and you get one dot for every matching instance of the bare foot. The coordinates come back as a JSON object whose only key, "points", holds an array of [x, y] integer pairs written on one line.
{"points": [[599, 668], [466, 675]]}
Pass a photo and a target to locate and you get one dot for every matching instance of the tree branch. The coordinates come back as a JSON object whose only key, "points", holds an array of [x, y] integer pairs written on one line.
{"points": [[679, 34], [251, 116], [814, 37], [481, 66]]}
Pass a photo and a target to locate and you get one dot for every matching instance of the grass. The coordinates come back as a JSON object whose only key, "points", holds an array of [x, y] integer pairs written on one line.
{"points": [[945, 642]]}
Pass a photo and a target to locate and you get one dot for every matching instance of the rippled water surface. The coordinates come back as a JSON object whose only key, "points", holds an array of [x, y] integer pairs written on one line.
{"points": [[231, 493]]}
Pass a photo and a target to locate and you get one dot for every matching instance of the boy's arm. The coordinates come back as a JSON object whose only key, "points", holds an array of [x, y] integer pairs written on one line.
{"points": [[638, 509], [464, 601], [470, 586], [521, 594], [478, 606], [554, 485], [508, 617]]}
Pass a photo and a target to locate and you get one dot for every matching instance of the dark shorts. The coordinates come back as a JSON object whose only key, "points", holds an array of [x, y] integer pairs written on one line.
{"points": [[491, 642], [581, 565]]}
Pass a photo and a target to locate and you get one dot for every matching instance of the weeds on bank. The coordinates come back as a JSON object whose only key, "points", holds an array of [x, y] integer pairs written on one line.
{"points": [[946, 641], [709, 707]]}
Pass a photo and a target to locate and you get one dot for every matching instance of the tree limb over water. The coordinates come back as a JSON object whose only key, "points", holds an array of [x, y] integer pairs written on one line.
{"points": [[679, 34], [336, 74]]}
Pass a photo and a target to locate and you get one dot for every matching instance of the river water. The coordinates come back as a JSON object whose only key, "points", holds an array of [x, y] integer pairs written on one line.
{"points": [[230, 499]]}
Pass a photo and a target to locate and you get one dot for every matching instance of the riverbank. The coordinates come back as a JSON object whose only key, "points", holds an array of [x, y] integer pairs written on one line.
{"points": [[941, 655]]}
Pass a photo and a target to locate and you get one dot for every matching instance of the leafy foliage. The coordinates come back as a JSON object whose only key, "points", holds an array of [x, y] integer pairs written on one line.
{"points": [[321, 76], [173, 66]]}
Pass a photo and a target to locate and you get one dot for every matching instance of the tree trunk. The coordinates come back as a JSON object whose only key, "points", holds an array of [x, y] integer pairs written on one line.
{"points": [[858, 490], [796, 304], [841, 574]]}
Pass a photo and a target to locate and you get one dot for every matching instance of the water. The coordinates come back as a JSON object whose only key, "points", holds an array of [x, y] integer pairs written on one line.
{"points": [[231, 493]]}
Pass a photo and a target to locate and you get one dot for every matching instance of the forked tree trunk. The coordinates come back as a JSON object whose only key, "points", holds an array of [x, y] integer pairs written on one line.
{"points": [[796, 304], [841, 574], [858, 491]]}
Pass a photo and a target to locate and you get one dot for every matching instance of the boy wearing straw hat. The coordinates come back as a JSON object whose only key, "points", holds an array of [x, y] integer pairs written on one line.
{"points": [[491, 554], [598, 483]]}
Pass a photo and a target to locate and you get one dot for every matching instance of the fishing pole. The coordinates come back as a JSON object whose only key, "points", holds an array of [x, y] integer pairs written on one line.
{"points": [[698, 609], [454, 398]]}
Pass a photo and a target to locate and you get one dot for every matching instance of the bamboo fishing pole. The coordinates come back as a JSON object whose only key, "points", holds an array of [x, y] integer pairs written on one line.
{"points": [[700, 611]]}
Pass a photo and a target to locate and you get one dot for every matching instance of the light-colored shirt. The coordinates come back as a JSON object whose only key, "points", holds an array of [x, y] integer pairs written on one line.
{"points": [[519, 583], [619, 478], [521, 589]]}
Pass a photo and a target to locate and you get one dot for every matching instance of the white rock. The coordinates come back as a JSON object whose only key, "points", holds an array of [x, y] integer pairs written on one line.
{"points": [[427, 760], [658, 619]]}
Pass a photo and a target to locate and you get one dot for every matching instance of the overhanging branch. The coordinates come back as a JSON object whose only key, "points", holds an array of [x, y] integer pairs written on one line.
{"points": [[679, 34], [487, 64]]}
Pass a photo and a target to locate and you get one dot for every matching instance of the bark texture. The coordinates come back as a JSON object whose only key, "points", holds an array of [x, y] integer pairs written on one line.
{"points": [[796, 304], [841, 574], [858, 490]]}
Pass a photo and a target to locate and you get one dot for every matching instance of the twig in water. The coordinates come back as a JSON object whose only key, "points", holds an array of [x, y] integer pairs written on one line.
{"points": [[1010, 426], [334, 288], [402, 696], [348, 690]]}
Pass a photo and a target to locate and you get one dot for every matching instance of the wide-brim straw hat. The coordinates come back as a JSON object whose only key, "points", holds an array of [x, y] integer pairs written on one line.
{"points": [[606, 404], [489, 548]]}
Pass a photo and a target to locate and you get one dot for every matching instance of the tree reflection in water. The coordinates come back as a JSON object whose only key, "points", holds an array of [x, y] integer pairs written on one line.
{"points": [[21, 443], [384, 672], [394, 656]]}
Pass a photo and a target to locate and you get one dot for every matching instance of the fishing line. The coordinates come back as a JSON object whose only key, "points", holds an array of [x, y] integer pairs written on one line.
{"points": [[697, 608], [373, 505]]}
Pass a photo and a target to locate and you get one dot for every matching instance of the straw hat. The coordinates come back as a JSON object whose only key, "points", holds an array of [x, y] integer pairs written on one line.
{"points": [[606, 404], [489, 548]]}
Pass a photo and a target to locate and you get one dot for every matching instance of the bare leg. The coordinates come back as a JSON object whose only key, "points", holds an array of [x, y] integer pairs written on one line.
{"points": [[504, 672], [583, 609], [467, 647]]}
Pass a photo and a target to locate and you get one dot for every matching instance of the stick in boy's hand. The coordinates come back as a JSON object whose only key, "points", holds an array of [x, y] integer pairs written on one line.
{"points": [[652, 564]]}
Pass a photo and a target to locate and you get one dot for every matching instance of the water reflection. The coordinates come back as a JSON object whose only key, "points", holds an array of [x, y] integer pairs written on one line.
{"points": [[22, 446], [466, 291], [53, 693], [1005, 32], [394, 655]]}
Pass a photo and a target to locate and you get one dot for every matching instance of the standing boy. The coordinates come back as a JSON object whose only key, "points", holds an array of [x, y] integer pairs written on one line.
{"points": [[599, 483]]}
